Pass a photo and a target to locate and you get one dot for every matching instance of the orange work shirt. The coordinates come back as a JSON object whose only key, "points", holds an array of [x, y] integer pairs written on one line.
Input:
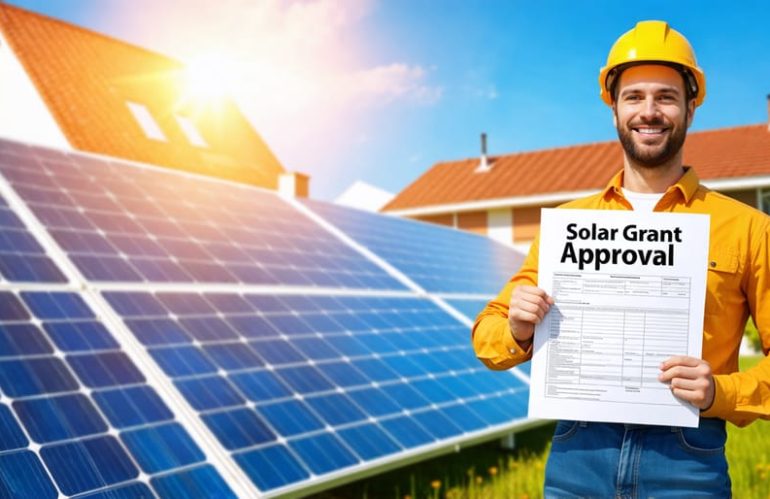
{"points": [[738, 286]]}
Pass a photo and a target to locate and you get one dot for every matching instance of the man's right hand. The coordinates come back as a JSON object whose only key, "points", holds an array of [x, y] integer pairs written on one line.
{"points": [[528, 306]]}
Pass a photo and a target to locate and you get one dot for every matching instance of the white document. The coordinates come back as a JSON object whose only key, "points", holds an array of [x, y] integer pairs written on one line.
{"points": [[630, 291]]}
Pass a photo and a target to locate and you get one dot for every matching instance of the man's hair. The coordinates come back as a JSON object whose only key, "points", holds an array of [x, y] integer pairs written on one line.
{"points": [[688, 79]]}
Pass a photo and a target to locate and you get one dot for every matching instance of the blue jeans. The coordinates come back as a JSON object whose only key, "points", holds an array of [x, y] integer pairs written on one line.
{"points": [[600, 460]]}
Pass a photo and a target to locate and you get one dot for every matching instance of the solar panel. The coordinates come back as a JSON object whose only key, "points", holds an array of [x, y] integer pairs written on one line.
{"points": [[22, 259], [76, 414], [120, 223], [439, 259], [217, 340], [469, 308], [310, 387]]}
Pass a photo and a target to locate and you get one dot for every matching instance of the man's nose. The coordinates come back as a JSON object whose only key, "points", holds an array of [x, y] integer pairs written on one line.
{"points": [[649, 108]]}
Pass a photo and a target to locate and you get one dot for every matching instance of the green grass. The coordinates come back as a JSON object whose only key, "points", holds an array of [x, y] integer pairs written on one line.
{"points": [[487, 471], [748, 453]]}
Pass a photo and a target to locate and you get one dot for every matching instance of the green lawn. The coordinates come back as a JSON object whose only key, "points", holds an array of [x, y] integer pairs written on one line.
{"points": [[486, 471]]}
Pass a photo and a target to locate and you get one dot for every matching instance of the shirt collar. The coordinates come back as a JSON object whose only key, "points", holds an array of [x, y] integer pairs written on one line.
{"points": [[687, 184]]}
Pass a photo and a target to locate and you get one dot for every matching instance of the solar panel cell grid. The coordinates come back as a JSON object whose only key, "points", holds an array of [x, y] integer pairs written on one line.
{"points": [[80, 336], [69, 390], [123, 223], [201, 481], [368, 441], [312, 381], [211, 392], [272, 467], [85, 465], [132, 406], [59, 418], [22, 259], [323, 453], [438, 259], [239, 428], [161, 448], [290, 417]]}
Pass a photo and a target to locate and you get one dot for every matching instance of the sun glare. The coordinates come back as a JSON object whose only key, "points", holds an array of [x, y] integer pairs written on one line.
{"points": [[209, 77]]}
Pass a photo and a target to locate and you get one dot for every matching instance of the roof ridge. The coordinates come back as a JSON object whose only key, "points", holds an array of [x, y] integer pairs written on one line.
{"points": [[493, 157]]}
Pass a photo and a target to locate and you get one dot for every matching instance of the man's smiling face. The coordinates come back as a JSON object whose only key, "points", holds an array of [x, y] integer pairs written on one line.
{"points": [[651, 114]]}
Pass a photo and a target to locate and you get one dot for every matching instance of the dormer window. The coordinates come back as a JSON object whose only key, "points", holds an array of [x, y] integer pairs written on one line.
{"points": [[143, 116], [191, 131]]}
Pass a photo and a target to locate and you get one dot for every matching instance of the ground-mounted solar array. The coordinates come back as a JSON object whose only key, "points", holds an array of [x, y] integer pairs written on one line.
{"points": [[214, 339]]}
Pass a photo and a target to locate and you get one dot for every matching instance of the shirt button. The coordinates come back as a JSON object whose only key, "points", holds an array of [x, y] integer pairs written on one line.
{"points": [[713, 264]]}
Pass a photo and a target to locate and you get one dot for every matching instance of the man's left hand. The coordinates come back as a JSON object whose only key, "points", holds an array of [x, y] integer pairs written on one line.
{"points": [[690, 380]]}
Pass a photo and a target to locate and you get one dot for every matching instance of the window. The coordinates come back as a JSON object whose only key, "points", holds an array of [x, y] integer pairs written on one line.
{"points": [[764, 200], [150, 127], [191, 131]]}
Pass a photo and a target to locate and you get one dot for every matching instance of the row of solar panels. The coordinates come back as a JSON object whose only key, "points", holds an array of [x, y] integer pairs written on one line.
{"points": [[120, 223], [167, 335]]}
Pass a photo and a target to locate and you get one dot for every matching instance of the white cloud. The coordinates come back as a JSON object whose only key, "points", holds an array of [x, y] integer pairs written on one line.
{"points": [[288, 55], [394, 81]]}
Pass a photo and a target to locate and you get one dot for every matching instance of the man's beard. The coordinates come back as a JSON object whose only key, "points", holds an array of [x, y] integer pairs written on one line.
{"points": [[652, 158]]}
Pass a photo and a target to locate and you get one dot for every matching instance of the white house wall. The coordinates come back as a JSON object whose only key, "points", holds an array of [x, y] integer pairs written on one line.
{"points": [[500, 225], [24, 115]]}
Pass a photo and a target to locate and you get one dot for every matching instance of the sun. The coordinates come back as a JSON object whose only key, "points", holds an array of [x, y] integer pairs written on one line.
{"points": [[209, 77]]}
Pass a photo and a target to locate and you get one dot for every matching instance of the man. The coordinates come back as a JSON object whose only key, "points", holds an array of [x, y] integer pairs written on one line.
{"points": [[653, 85]]}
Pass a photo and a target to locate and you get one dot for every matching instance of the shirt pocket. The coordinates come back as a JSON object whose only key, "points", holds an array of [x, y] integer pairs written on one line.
{"points": [[722, 280]]}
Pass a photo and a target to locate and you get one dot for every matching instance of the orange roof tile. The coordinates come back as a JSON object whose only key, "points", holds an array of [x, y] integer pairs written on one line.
{"points": [[716, 154], [86, 78]]}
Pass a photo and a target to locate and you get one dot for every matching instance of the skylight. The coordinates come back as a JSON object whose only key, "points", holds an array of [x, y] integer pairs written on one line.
{"points": [[191, 131], [143, 116]]}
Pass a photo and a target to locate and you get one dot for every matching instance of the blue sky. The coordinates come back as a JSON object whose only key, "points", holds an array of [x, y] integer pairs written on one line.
{"points": [[379, 91]]}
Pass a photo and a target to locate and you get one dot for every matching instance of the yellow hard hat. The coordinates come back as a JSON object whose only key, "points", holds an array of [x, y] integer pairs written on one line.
{"points": [[653, 41]]}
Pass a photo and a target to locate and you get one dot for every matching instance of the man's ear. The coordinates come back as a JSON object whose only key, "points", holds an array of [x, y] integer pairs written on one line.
{"points": [[690, 112], [615, 114]]}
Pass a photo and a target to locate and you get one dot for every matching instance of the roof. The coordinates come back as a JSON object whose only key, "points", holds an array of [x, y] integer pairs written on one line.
{"points": [[87, 79], [715, 154]]}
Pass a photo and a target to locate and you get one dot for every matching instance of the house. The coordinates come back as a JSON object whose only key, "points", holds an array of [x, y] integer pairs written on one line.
{"points": [[70, 88], [501, 196]]}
